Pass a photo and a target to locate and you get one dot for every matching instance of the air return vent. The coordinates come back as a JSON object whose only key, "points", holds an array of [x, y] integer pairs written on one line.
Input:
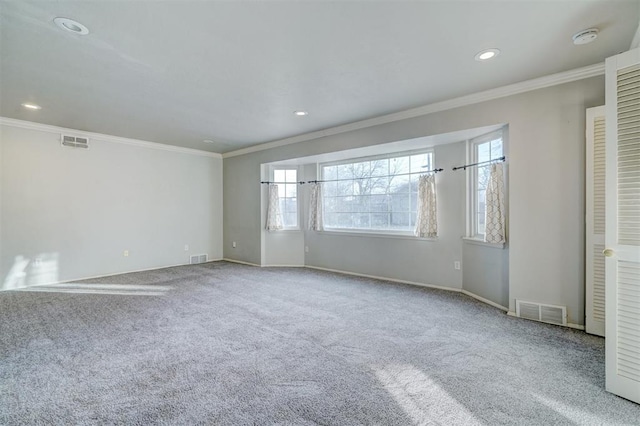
{"points": [[544, 313], [74, 141], [198, 258]]}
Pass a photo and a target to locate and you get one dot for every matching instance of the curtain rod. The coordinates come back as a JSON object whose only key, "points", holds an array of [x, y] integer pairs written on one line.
{"points": [[357, 178], [373, 177], [495, 160], [282, 183]]}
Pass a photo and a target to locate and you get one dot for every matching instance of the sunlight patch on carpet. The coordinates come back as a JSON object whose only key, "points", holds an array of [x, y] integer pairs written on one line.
{"points": [[572, 413], [421, 398], [88, 288]]}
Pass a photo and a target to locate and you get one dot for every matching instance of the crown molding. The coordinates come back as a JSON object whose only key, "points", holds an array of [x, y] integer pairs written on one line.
{"points": [[487, 95], [30, 125]]}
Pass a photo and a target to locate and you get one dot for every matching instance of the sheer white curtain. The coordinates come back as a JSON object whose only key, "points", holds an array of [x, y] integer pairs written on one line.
{"points": [[315, 207], [274, 217], [427, 220], [495, 219]]}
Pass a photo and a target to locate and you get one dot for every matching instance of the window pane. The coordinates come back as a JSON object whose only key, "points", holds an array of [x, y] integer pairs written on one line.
{"points": [[400, 202], [496, 148], [330, 220], [481, 223], [483, 151], [345, 188], [379, 203], [291, 190], [373, 194], [380, 167], [330, 189], [290, 175], [344, 204], [361, 221], [291, 204], [330, 204], [399, 184], [400, 219], [379, 185], [345, 171], [421, 162], [399, 165], [281, 190], [362, 204], [290, 219], [379, 220], [344, 220], [278, 175]]}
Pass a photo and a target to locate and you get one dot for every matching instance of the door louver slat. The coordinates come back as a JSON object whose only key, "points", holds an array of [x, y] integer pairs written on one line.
{"points": [[628, 87], [628, 320]]}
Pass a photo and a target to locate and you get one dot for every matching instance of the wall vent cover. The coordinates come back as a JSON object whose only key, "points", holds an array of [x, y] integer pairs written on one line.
{"points": [[198, 258], [551, 314], [74, 141]]}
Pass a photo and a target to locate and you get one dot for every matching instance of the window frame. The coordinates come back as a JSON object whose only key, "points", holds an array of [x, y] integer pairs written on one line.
{"points": [[472, 173], [376, 232], [297, 186]]}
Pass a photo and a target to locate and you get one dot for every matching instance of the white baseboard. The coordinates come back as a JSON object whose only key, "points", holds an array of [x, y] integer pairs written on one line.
{"points": [[283, 266], [570, 325], [384, 278], [576, 326], [483, 300], [242, 262]]}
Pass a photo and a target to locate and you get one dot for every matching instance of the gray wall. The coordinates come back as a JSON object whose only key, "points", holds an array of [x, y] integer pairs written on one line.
{"points": [[546, 185], [405, 258], [485, 272], [78, 210]]}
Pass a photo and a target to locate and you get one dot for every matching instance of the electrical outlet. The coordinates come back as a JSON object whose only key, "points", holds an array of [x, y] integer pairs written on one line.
{"points": [[234, 244], [306, 249], [456, 265], [186, 247], [37, 261], [125, 253]]}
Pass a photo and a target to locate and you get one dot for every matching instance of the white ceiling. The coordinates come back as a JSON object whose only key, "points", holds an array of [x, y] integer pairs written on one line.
{"points": [[178, 72]]}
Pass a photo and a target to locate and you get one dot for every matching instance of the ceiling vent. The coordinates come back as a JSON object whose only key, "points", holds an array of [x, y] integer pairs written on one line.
{"points": [[198, 258], [539, 312], [74, 142]]}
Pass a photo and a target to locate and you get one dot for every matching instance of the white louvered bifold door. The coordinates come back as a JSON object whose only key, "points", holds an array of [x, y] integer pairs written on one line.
{"points": [[622, 237], [595, 223]]}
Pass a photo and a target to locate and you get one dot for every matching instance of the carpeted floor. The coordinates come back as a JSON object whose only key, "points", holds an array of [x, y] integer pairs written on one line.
{"points": [[228, 344]]}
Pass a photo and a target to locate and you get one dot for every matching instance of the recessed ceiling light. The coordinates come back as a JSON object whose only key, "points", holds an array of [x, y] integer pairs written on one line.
{"points": [[585, 36], [71, 25], [31, 106], [487, 54], [301, 113], [208, 141]]}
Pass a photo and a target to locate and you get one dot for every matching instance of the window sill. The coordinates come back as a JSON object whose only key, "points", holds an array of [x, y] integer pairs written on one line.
{"points": [[284, 230], [479, 242], [360, 233]]}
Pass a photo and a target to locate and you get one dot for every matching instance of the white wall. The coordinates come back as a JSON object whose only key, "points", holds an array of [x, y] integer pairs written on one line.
{"points": [[78, 210], [546, 184]]}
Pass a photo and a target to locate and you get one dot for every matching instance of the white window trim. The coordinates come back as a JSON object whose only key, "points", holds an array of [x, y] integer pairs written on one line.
{"points": [[272, 169], [371, 232], [472, 193]]}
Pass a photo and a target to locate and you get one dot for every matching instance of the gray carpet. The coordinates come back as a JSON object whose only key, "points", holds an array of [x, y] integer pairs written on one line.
{"points": [[228, 344]]}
